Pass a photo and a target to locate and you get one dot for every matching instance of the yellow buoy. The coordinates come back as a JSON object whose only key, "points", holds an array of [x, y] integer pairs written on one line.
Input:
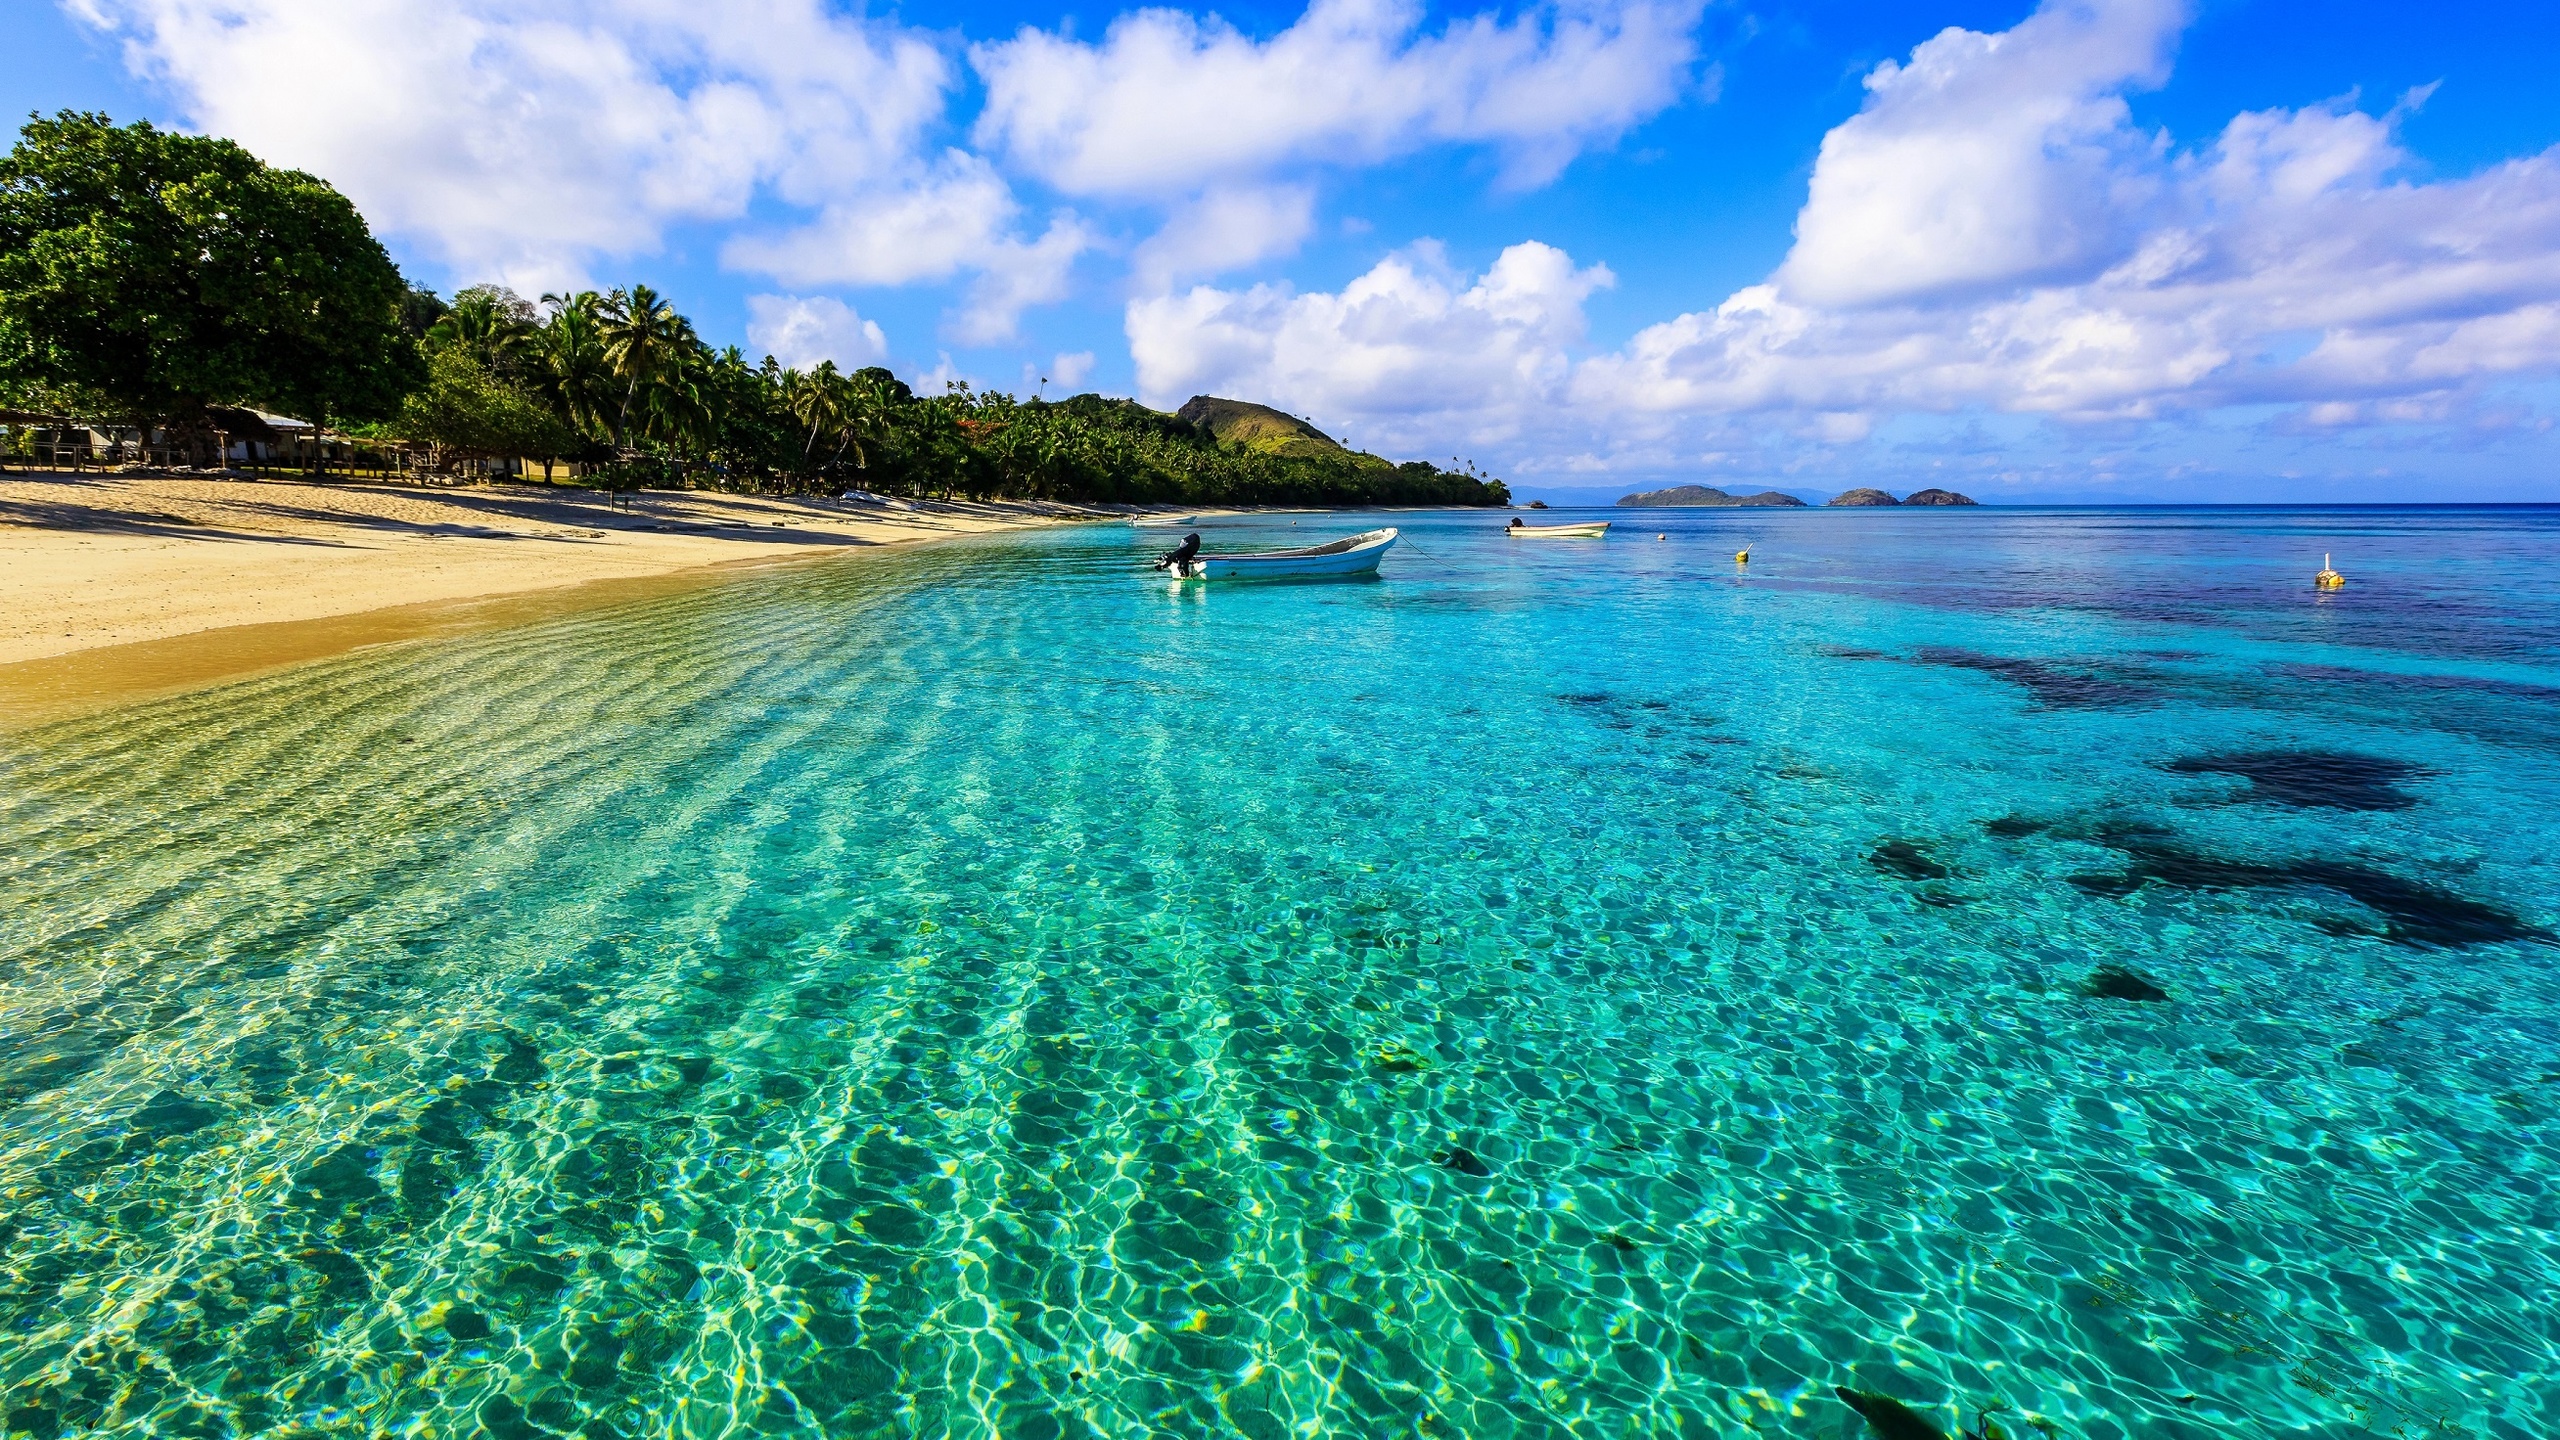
{"points": [[2328, 578], [1742, 556]]}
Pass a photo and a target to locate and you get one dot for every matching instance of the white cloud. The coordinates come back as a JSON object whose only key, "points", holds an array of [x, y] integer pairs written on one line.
{"points": [[961, 218], [1409, 340], [1227, 227], [2078, 268], [545, 144], [1987, 160], [1991, 233], [1168, 102], [1058, 376], [800, 331], [530, 140]]}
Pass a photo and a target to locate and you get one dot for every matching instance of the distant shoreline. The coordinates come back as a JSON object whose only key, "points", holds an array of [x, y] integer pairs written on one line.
{"points": [[2299, 506]]}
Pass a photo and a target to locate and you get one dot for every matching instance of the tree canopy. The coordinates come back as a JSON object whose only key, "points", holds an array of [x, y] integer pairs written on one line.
{"points": [[629, 384], [473, 414], [147, 276]]}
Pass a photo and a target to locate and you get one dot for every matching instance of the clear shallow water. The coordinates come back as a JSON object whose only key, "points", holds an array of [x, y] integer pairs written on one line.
{"points": [[1554, 990]]}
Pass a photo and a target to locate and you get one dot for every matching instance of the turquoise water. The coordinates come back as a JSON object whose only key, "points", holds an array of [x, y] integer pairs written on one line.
{"points": [[1555, 989]]}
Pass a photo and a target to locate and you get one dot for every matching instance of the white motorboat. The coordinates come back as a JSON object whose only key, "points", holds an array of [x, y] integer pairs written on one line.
{"points": [[1160, 522], [1591, 530], [1352, 555]]}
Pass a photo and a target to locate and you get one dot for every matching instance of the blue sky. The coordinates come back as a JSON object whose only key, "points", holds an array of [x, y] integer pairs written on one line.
{"points": [[2111, 249]]}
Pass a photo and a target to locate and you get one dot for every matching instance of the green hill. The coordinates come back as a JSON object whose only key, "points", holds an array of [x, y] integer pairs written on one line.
{"points": [[1212, 452], [1266, 431]]}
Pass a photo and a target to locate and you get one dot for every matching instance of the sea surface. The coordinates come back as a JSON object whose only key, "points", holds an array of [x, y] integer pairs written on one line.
{"points": [[2055, 968]]}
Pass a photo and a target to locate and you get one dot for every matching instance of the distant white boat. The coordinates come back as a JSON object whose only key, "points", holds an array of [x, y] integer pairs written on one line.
{"points": [[1157, 522], [1352, 555], [1592, 530]]}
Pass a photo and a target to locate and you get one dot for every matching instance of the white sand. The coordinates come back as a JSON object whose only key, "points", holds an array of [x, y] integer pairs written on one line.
{"points": [[92, 561]]}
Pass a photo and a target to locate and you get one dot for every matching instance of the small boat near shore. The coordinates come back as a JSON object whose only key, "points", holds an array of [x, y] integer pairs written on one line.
{"points": [[1351, 555], [1591, 530], [1162, 522]]}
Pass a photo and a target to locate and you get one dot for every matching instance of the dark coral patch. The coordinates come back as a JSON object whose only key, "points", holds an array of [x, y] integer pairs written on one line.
{"points": [[343, 1176], [2413, 912], [2312, 779], [2115, 982], [2384, 679], [1462, 1160], [171, 1113], [2054, 686], [1906, 861]]}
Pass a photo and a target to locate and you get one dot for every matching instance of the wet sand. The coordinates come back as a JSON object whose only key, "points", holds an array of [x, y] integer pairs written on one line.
{"points": [[117, 587]]}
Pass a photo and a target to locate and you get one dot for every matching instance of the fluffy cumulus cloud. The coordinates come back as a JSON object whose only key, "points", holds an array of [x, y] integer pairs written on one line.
{"points": [[1401, 352], [1951, 256], [1991, 233], [1167, 102], [533, 141], [959, 218], [1224, 228], [1067, 371], [801, 331], [1987, 160], [525, 140], [548, 143]]}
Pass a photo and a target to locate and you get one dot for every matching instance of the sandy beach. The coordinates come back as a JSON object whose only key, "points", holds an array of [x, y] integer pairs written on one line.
{"points": [[123, 583]]}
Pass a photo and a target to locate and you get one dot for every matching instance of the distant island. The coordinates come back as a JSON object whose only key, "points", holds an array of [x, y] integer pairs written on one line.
{"points": [[1702, 495], [1916, 497], [1706, 495]]}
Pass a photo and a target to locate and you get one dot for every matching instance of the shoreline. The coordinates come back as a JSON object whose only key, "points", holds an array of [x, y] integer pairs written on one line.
{"points": [[120, 588]]}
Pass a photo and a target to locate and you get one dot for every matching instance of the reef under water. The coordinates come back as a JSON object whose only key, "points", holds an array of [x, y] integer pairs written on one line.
{"points": [[2311, 779], [991, 991]]}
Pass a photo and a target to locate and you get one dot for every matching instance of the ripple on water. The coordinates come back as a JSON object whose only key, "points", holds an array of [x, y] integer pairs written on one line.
{"points": [[965, 993]]}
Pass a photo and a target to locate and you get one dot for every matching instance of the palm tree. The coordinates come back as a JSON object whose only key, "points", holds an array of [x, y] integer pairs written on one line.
{"points": [[817, 399], [570, 366], [489, 323], [873, 409], [739, 402], [678, 407], [644, 339]]}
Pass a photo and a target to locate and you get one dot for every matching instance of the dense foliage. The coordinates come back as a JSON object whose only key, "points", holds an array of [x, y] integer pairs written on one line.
{"points": [[147, 277], [631, 389]]}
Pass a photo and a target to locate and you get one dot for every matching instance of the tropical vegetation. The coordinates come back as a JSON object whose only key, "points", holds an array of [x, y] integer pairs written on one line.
{"points": [[148, 278]]}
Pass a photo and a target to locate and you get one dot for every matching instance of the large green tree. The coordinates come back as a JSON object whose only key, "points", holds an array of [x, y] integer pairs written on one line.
{"points": [[469, 414], [146, 277]]}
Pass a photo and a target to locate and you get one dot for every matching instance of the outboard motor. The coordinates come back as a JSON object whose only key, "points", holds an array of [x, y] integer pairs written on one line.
{"points": [[1174, 560]]}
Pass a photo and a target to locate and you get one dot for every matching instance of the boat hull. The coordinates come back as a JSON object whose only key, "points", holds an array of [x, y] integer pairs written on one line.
{"points": [[1592, 531], [1359, 556]]}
